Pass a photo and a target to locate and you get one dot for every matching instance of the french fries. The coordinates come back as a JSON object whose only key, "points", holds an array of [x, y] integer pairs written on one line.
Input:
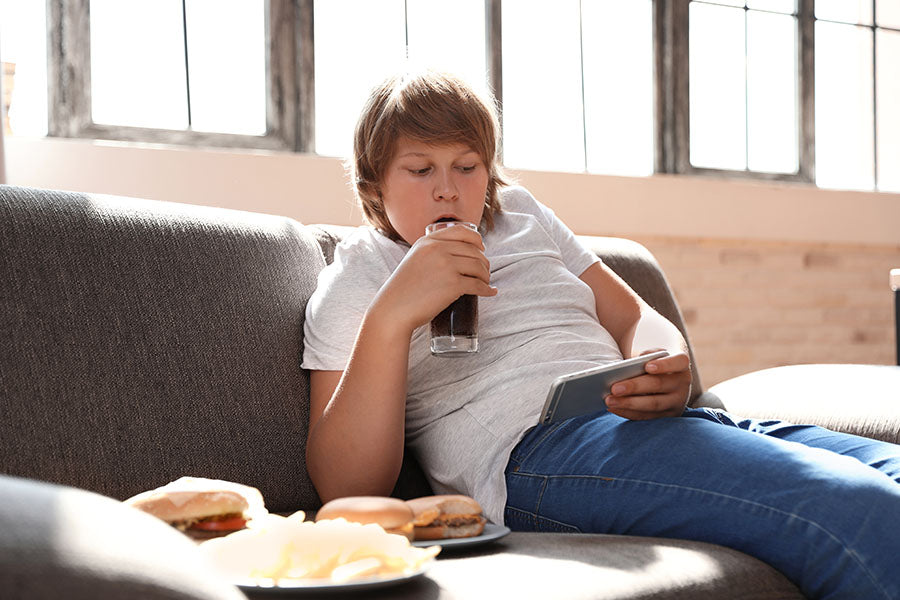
{"points": [[278, 548]]}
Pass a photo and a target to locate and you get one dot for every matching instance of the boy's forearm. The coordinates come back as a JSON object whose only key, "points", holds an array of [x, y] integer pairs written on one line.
{"points": [[356, 447]]}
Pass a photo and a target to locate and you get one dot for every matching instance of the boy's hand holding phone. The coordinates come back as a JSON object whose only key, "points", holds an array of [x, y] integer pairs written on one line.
{"points": [[663, 391], [438, 269]]}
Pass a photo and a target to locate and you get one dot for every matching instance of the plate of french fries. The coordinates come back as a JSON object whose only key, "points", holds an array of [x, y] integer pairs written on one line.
{"points": [[289, 553]]}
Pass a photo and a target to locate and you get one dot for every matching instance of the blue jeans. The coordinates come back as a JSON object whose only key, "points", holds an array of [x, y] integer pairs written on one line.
{"points": [[821, 507]]}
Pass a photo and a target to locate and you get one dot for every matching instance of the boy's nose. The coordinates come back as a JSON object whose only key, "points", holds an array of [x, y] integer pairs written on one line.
{"points": [[445, 189]]}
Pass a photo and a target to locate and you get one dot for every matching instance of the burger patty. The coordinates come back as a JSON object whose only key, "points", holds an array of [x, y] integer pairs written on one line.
{"points": [[458, 520], [186, 523]]}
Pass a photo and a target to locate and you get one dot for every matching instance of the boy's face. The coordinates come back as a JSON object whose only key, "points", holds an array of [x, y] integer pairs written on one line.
{"points": [[425, 183]]}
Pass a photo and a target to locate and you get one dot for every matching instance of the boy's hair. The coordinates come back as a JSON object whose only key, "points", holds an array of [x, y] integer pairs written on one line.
{"points": [[434, 108]]}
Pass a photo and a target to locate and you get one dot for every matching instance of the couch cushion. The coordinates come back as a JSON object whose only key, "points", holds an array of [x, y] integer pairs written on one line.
{"points": [[859, 399], [574, 566], [143, 341], [58, 542]]}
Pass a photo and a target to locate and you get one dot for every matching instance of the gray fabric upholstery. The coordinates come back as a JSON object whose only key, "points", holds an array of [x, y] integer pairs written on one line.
{"points": [[859, 399], [146, 340], [59, 542]]}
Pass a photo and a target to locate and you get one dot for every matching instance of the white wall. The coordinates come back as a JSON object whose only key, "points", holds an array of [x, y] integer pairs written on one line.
{"points": [[315, 189]]}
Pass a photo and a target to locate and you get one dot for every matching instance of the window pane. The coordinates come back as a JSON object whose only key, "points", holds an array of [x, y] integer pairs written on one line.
{"points": [[137, 63], [772, 92], [888, 86], [718, 87], [466, 56], [845, 11], [739, 3], [542, 106], [782, 6], [844, 121], [24, 54], [357, 44], [226, 53], [887, 13], [618, 55]]}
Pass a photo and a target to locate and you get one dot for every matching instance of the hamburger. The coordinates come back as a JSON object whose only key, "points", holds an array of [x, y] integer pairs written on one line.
{"points": [[393, 515], [200, 507], [446, 516]]}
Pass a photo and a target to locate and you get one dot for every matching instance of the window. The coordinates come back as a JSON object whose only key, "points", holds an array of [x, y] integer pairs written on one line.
{"points": [[406, 35], [206, 71], [799, 90], [743, 83], [23, 51], [578, 86], [735, 88], [857, 94], [202, 72]]}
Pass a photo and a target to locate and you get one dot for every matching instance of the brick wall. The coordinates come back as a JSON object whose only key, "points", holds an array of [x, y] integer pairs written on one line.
{"points": [[750, 305]]}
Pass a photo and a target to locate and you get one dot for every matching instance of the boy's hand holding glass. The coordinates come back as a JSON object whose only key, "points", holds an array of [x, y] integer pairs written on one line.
{"points": [[454, 331], [438, 269], [662, 392]]}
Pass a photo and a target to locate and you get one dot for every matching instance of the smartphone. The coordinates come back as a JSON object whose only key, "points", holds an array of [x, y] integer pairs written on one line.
{"points": [[583, 392]]}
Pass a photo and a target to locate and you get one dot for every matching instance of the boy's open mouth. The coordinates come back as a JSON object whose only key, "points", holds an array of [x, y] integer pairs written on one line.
{"points": [[445, 220]]}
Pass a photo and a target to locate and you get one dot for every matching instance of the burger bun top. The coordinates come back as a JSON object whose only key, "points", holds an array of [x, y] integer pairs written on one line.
{"points": [[191, 498], [428, 508], [390, 513]]}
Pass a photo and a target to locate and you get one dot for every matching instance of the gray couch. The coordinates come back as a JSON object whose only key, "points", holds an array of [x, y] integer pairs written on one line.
{"points": [[141, 341]]}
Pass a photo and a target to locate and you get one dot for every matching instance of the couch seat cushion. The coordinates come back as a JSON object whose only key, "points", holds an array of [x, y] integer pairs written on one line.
{"points": [[859, 399]]}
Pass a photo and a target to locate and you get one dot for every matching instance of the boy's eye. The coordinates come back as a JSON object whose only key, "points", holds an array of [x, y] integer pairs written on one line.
{"points": [[468, 169], [420, 171]]}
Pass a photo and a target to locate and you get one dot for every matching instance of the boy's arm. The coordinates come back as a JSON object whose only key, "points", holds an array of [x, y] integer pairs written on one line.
{"points": [[357, 417], [355, 444], [638, 329]]}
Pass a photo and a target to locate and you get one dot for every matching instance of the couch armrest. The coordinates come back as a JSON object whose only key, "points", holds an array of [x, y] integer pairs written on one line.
{"points": [[62, 542], [859, 399], [634, 263]]}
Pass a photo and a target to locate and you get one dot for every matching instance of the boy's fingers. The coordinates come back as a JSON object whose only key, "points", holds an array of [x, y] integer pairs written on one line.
{"points": [[645, 406], [642, 384], [669, 364], [460, 234]]}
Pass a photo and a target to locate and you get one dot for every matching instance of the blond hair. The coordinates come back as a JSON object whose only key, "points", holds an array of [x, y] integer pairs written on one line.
{"points": [[433, 108]]}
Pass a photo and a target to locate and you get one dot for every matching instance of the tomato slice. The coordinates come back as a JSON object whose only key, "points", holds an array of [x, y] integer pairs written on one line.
{"points": [[231, 524]]}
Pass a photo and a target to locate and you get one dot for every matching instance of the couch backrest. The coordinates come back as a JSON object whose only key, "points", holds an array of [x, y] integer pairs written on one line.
{"points": [[143, 341]]}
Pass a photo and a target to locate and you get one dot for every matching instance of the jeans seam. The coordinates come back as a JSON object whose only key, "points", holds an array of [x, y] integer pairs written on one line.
{"points": [[535, 516], [852, 554], [537, 444]]}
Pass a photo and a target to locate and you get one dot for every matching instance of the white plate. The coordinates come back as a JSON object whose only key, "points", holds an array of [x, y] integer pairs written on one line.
{"points": [[491, 532], [313, 586]]}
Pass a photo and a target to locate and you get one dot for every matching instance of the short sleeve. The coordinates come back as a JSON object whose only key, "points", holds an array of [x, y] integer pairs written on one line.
{"points": [[575, 256], [334, 312]]}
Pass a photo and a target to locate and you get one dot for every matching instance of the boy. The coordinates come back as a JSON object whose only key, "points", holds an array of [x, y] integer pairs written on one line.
{"points": [[425, 150]]}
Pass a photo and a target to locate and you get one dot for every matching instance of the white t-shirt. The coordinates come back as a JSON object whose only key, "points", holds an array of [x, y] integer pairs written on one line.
{"points": [[465, 415]]}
